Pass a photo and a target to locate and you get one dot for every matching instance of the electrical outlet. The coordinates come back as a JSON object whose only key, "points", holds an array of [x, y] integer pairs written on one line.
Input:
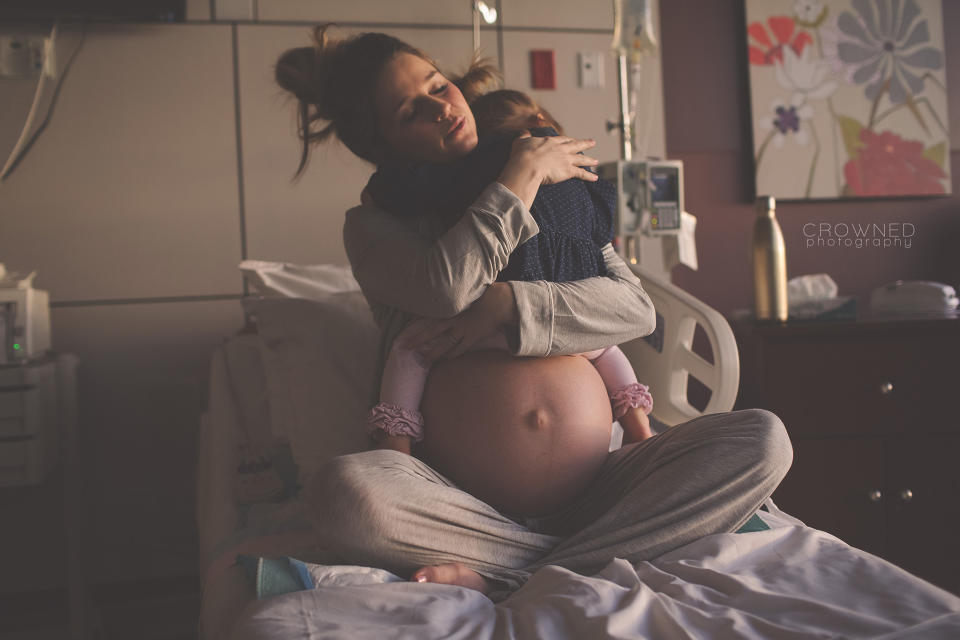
{"points": [[591, 69], [21, 56]]}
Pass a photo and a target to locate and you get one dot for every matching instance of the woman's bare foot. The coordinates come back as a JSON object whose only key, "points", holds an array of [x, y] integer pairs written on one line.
{"points": [[452, 573]]}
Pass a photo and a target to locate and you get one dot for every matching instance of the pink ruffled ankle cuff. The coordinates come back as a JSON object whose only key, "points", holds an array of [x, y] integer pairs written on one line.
{"points": [[632, 396], [395, 421]]}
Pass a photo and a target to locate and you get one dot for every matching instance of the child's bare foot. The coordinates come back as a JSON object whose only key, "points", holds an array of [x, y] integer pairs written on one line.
{"points": [[452, 573]]}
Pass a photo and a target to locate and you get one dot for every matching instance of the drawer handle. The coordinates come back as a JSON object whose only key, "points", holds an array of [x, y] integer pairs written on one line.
{"points": [[906, 495], [875, 495], [886, 388]]}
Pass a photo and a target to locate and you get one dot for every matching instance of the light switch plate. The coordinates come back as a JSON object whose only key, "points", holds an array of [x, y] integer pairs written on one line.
{"points": [[591, 69]]}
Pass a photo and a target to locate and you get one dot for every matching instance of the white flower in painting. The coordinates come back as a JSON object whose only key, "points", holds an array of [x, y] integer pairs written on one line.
{"points": [[788, 120], [807, 11], [806, 77], [830, 39]]}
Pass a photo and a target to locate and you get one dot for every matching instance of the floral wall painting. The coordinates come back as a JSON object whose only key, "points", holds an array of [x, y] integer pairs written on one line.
{"points": [[848, 98]]}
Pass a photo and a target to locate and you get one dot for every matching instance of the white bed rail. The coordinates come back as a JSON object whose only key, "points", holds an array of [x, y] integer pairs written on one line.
{"points": [[666, 370]]}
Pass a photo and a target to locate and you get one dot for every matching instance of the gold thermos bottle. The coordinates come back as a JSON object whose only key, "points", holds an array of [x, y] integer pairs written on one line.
{"points": [[769, 261]]}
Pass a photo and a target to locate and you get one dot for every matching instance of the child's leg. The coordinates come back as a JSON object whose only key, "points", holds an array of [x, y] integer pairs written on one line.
{"points": [[621, 381], [401, 389]]}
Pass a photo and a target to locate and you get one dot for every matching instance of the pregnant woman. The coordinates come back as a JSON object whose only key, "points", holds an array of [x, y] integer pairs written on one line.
{"points": [[530, 434]]}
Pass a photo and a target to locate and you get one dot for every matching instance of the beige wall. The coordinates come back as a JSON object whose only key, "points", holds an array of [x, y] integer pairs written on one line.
{"points": [[132, 209]]}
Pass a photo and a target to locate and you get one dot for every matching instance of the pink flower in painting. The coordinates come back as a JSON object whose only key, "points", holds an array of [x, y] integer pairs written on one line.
{"points": [[888, 165], [768, 50]]}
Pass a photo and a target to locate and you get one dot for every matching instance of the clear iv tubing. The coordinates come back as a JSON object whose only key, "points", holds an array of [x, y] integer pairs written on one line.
{"points": [[641, 131]]}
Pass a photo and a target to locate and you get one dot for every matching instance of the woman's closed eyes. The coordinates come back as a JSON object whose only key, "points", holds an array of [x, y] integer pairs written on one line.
{"points": [[409, 116]]}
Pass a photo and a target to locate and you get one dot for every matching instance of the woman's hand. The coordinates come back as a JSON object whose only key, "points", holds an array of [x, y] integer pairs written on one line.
{"points": [[451, 337], [545, 160]]}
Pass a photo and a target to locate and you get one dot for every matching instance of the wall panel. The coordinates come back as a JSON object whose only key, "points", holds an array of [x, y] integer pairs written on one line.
{"points": [[410, 11], [569, 14], [132, 189]]}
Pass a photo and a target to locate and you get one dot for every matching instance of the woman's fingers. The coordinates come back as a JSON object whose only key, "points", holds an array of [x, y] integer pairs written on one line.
{"points": [[589, 176], [421, 331], [440, 346], [585, 161], [575, 145], [414, 328]]}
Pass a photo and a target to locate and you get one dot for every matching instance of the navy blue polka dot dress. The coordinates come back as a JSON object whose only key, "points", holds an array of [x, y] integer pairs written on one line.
{"points": [[575, 217]]}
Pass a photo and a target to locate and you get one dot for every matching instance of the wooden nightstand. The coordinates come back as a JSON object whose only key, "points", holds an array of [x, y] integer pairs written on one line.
{"points": [[872, 409]]}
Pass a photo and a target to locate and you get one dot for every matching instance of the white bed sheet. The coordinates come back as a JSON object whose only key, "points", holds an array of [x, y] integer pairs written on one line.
{"points": [[789, 582]]}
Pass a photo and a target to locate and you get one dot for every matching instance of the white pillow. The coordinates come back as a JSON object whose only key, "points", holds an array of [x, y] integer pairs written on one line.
{"points": [[320, 359], [287, 280]]}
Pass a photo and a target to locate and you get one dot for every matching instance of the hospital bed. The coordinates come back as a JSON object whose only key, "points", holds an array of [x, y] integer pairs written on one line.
{"points": [[289, 394]]}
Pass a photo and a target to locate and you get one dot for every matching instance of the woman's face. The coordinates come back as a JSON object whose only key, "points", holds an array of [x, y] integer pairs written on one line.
{"points": [[423, 116]]}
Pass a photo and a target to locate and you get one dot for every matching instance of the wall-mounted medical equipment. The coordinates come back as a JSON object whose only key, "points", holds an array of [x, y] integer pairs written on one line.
{"points": [[26, 56], [24, 318], [652, 228], [649, 195]]}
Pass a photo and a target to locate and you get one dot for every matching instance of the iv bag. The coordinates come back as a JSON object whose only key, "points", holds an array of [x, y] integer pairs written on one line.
{"points": [[633, 28]]}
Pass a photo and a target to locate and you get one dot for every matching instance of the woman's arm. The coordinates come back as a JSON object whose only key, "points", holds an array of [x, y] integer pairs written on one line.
{"points": [[439, 278], [399, 267], [549, 318], [571, 317]]}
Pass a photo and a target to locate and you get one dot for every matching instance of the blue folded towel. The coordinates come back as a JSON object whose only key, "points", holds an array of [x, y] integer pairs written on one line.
{"points": [[275, 576]]}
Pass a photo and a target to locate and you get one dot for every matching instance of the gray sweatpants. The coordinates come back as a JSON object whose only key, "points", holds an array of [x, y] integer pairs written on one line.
{"points": [[385, 509]]}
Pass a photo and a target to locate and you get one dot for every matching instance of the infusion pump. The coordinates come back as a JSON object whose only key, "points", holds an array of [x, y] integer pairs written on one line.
{"points": [[649, 195]]}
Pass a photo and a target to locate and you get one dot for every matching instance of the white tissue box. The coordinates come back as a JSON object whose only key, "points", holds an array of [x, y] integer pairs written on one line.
{"points": [[826, 309]]}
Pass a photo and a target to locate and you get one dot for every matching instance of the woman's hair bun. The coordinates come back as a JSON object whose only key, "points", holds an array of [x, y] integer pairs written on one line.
{"points": [[301, 70], [335, 81]]}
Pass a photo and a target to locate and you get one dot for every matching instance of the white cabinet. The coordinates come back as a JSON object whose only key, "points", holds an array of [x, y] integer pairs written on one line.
{"points": [[30, 424]]}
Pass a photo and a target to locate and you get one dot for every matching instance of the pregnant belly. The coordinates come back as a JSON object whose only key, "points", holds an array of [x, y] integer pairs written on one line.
{"points": [[525, 435]]}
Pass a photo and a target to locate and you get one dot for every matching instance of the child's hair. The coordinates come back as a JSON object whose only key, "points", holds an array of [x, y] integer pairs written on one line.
{"points": [[509, 110], [480, 77], [500, 109], [335, 81]]}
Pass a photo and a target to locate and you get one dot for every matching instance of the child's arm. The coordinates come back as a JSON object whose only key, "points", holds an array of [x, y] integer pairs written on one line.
{"points": [[630, 400]]}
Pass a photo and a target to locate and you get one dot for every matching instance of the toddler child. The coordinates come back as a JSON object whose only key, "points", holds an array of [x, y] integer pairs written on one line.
{"points": [[576, 221]]}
